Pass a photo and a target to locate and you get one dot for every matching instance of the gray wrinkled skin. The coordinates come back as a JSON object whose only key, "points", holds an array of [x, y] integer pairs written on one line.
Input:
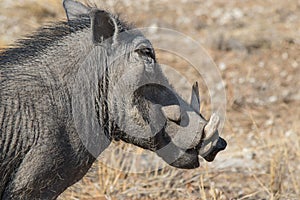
{"points": [[44, 148]]}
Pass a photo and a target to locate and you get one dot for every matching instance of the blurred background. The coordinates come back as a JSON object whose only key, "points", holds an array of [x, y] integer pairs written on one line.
{"points": [[256, 46]]}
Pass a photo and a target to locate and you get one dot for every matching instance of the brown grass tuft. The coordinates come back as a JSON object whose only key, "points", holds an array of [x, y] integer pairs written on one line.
{"points": [[256, 45]]}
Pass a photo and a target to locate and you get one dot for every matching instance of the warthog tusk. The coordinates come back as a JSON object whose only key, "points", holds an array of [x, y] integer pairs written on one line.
{"points": [[211, 135], [212, 126]]}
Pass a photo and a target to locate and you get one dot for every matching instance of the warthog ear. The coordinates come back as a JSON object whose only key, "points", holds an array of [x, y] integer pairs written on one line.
{"points": [[74, 9], [104, 26]]}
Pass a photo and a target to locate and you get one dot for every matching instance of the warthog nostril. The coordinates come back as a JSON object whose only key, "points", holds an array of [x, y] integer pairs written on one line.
{"points": [[221, 145]]}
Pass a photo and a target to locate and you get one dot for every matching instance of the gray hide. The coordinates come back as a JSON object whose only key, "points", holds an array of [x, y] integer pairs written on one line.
{"points": [[70, 89]]}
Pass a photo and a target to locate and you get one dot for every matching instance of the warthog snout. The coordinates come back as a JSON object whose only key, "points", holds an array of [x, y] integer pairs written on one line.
{"points": [[219, 146], [212, 143], [191, 133]]}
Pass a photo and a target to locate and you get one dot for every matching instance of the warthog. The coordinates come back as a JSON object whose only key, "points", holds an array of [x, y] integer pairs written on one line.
{"points": [[70, 89]]}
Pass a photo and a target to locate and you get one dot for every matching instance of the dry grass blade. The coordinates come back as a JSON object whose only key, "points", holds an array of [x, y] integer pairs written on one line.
{"points": [[255, 45]]}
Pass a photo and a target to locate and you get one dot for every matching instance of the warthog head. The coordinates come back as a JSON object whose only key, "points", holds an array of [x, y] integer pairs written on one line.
{"points": [[136, 99]]}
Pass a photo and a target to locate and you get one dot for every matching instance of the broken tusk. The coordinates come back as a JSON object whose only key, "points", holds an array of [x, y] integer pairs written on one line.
{"points": [[172, 112]]}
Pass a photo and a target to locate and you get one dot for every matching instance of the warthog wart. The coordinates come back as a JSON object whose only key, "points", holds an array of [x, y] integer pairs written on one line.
{"points": [[72, 87]]}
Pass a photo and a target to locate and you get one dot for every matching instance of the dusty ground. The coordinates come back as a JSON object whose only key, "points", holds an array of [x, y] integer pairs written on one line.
{"points": [[256, 46]]}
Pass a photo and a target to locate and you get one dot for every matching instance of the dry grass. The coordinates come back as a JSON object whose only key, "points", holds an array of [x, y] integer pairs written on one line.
{"points": [[256, 44]]}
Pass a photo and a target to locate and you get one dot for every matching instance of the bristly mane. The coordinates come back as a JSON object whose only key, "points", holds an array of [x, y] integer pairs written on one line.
{"points": [[31, 45]]}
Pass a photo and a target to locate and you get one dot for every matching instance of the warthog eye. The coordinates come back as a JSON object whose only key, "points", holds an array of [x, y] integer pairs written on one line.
{"points": [[146, 52]]}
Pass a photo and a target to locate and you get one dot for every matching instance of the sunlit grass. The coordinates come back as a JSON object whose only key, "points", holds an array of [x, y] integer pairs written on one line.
{"points": [[263, 155]]}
